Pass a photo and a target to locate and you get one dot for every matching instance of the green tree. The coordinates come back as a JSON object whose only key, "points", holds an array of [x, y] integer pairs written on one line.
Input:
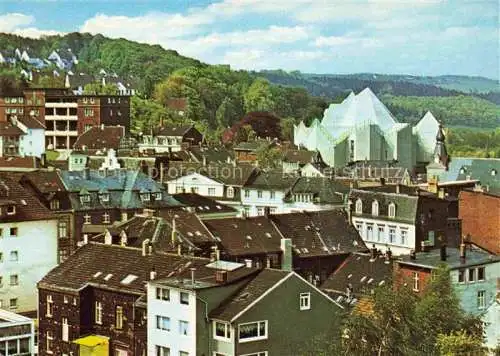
{"points": [[269, 157], [459, 343], [98, 88], [259, 96]]}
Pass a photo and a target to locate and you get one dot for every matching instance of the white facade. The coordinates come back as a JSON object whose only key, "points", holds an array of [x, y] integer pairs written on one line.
{"points": [[400, 237], [17, 334], [309, 170], [160, 144], [61, 120], [28, 251], [172, 333], [254, 201], [196, 183]]}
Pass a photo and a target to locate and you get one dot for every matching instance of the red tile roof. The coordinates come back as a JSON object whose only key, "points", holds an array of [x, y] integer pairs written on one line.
{"points": [[19, 162], [31, 122]]}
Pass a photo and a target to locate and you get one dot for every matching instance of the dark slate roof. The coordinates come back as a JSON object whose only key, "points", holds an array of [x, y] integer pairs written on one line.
{"points": [[202, 205], [271, 179], [212, 154], [123, 186], [246, 236], [229, 174], [359, 272], [28, 207], [432, 258], [20, 162], [83, 267], [100, 138], [299, 156], [172, 130], [31, 122], [319, 233], [406, 205], [261, 283], [325, 190]]}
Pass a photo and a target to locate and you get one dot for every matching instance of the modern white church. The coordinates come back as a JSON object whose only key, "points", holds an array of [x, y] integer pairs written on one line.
{"points": [[361, 128]]}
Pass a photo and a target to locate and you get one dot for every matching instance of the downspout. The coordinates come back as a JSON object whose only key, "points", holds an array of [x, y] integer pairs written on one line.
{"points": [[207, 320]]}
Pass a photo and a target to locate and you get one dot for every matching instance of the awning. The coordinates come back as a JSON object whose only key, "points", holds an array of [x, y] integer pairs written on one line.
{"points": [[92, 340]]}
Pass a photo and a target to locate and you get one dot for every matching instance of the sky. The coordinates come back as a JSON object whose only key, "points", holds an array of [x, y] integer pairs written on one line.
{"points": [[418, 37]]}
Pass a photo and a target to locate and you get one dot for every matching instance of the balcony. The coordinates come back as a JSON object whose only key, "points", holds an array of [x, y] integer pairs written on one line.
{"points": [[61, 105], [61, 133], [61, 117]]}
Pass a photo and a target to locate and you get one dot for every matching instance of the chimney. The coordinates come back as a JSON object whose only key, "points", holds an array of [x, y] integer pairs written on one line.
{"points": [[286, 260], [442, 252], [382, 181], [462, 251], [174, 232], [388, 255], [349, 291], [398, 189], [43, 160], [102, 127], [86, 173], [220, 276], [248, 263], [204, 160], [413, 255], [123, 238], [373, 253], [152, 274], [85, 239], [192, 275], [145, 248], [432, 185], [349, 212]]}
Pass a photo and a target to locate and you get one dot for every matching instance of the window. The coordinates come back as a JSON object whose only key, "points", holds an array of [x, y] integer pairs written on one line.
{"points": [[273, 194], [162, 351], [11, 210], [375, 208], [183, 353], [392, 210], [54, 204], [211, 192], [359, 227], [62, 228], [85, 198], [14, 256], [163, 323], [1, 233], [104, 197], [260, 211], [252, 331], [184, 298], [89, 112], [380, 234], [158, 196], [259, 193], [1, 257], [261, 353], [404, 236], [183, 327], [145, 197], [50, 338], [305, 301], [230, 192], [461, 276], [247, 193], [392, 235], [65, 329], [98, 313], [13, 303], [472, 275], [359, 206], [481, 299], [66, 299], [416, 281], [222, 331], [163, 293], [480, 273], [369, 232], [50, 306], [105, 218], [14, 279], [119, 317], [13, 231], [86, 219]]}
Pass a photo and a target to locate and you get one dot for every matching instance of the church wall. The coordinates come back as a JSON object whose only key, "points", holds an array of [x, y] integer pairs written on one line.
{"points": [[362, 142], [405, 148], [341, 154], [376, 144]]}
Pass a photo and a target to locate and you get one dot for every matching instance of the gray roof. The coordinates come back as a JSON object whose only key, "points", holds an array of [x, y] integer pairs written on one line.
{"points": [[432, 259]]}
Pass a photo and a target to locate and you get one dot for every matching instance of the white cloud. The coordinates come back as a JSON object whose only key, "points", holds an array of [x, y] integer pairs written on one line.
{"points": [[10, 22], [33, 32]]}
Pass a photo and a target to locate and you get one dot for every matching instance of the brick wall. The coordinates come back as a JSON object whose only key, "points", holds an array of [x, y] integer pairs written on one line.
{"points": [[480, 214]]}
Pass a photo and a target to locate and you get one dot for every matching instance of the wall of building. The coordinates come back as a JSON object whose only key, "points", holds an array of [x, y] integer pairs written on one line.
{"points": [[36, 246], [479, 213], [254, 205], [176, 311], [200, 184], [33, 143], [291, 331]]}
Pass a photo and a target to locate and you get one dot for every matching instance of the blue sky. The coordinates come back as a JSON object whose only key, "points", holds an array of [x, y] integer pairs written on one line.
{"points": [[421, 37]]}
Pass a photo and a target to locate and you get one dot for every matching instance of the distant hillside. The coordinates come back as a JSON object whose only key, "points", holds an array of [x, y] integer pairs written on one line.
{"points": [[218, 97]]}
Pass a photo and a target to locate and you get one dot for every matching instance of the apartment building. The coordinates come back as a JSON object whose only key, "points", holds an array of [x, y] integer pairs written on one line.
{"points": [[17, 334]]}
